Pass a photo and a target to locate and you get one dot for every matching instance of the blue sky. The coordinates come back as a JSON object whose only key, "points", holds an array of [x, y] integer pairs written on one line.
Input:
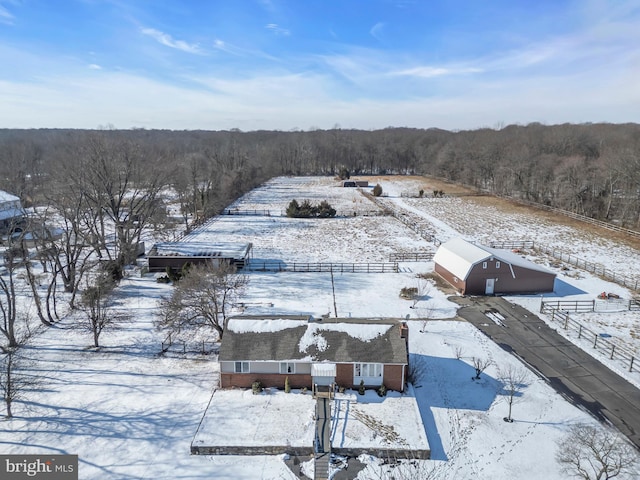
{"points": [[301, 64]]}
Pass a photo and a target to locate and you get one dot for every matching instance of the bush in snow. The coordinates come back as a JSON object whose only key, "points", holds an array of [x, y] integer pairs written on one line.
{"points": [[382, 391], [361, 387], [256, 387]]}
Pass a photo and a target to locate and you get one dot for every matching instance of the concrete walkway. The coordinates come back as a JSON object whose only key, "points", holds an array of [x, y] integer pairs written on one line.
{"points": [[571, 371], [323, 438]]}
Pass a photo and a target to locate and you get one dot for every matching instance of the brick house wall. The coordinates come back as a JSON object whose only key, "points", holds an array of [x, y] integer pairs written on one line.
{"points": [[344, 375], [276, 380], [393, 378]]}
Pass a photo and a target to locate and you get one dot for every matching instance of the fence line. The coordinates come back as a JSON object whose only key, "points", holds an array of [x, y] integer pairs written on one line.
{"points": [[598, 341], [252, 212], [202, 347], [559, 254], [396, 213], [582, 306], [411, 257], [512, 244], [598, 269], [576, 216], [390, 267]]}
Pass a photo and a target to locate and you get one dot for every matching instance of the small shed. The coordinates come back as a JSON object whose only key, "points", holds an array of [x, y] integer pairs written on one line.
{"points": [[174, 255], [478, 270], [355, 183]]}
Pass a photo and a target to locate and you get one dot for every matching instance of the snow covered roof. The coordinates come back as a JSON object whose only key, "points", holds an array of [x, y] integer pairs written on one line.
{"points": [[458, 256], [10, 206], [7, 197], [202, 249], [279, 338]]}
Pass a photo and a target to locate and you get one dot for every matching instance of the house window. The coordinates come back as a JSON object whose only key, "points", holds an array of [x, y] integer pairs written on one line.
{"points": [[455, 279], [241, 367], [287, 367], [367, 370], [497, 264], [484, 264]]}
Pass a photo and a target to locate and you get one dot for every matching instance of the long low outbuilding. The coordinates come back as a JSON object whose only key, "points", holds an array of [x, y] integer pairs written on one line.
{"points": [[174, 255], [474, 269]]}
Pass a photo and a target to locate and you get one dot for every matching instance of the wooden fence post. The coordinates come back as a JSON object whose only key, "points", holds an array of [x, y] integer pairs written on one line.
{"points": [[613, 349], [595, 341], [631, 366], [580, 332]]}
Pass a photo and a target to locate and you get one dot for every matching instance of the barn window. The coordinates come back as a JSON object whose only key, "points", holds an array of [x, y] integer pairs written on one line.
{"points": [[497, 264], [241, 367], [287, 367], [455, 279], [484, 264]]}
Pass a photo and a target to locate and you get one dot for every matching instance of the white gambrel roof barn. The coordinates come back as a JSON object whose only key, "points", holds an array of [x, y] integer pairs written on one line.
{"points": [[478, 270]]}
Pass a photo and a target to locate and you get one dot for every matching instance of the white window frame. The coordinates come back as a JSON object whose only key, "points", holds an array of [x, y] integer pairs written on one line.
{"points": [[241, 367], [497, 264], [287, 368], [368, 370], [484, 265]]}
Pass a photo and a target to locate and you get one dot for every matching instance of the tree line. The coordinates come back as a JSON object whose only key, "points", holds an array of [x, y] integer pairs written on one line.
{"points": [[589, 169]]}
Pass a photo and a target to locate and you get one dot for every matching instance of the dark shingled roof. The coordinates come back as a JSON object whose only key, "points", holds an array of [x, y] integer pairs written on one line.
{"points": [[341, 347]]}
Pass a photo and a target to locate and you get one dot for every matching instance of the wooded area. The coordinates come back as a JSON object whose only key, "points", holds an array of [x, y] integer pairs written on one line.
{"points": [[589, 169]]}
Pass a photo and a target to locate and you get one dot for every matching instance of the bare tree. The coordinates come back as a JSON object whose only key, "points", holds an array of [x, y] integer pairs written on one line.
{"points": [[458, 352], [95, 303], [13, 257], [203, 297], [121, 196], [480, 365], [513, 379], [13, 381], [596, 453]]}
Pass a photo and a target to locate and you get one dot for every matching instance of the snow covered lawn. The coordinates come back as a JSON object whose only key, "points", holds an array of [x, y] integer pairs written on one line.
{"points": [[273, 418]]}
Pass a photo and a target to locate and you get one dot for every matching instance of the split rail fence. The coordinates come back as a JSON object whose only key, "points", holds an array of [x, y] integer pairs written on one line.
{"points": [[599, 342], [559, 254], [411, 257], [257, 266]]}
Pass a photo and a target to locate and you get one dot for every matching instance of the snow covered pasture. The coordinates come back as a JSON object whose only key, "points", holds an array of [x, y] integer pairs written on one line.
{"points": [[130, 413]]}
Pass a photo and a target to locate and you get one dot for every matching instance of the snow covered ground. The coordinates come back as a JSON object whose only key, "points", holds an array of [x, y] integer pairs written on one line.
{"points": [[280, 419], [130, 413]]}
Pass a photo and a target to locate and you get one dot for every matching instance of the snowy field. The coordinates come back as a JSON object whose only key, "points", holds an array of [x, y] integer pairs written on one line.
{"points": [[130, 413]]}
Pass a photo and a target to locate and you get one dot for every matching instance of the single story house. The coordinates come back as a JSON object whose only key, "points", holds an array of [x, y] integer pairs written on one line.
{"points": [[314, 352], [478, 270], [11, 212], [175, 255]]}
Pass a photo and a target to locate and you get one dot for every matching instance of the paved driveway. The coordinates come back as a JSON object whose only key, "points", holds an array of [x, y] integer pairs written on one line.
{"points": [[570, 370]]}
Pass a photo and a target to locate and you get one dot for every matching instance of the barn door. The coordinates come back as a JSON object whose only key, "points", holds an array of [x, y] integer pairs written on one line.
{"points": [[488, 289]]}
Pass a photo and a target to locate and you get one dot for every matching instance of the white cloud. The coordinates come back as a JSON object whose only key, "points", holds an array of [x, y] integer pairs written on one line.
{"points": [[94, 66], [6, 16], [278, 30], [430, 71], [166, 40], [376, 30]]}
